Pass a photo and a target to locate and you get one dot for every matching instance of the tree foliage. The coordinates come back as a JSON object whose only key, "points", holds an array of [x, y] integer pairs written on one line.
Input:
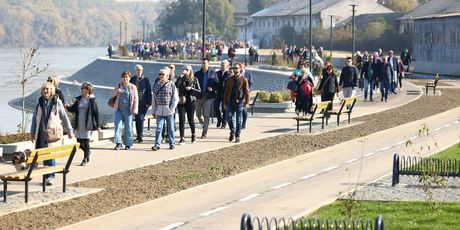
{"points": [[70, 23], [187, 14], [400, 6], [258, 5]]}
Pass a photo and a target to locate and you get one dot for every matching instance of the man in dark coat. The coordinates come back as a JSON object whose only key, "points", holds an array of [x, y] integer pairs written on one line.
{"points": [[144, 91]]}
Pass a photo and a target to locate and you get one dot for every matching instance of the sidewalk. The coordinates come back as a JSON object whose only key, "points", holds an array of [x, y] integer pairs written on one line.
{"points": [[105, 161]]}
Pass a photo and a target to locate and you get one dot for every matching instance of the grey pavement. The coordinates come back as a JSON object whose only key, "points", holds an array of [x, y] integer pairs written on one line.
{"points": [[186, 206]]}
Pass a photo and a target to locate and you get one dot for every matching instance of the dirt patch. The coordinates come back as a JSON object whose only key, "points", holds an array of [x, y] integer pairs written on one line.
{"points": [[421, 82], [132, 187]]}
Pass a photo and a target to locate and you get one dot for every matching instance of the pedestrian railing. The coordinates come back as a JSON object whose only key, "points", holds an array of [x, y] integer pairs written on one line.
{"points": [[416, 166], [256, 223]]}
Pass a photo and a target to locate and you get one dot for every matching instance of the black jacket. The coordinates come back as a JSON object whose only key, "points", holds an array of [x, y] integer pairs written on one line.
{"points": [[144, 90], [349, 77], [91, 115], [212, 82], [221, 76], [183, 82], [328, 83]]}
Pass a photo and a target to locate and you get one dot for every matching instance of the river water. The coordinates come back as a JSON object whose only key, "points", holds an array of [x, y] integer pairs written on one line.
{"points": [[62, 61]]}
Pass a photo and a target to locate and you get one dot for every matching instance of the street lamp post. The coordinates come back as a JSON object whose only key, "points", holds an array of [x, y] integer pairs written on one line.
{"points": [[203, 32], [353, 32], [143, 30], [293, 30], [120, 33], [245, 40], [330, 36], [126, 33]]}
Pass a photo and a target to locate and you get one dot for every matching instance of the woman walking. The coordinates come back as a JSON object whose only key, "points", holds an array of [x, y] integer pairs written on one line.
{"points": [[126, 106], [86, 118], [46, 129], [303, 95], [329, 85], [188, 86]]}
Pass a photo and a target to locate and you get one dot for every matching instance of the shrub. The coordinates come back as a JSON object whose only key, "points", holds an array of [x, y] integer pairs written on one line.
{"points": [[264, 96], [276, 97], [123, 51], [13, 138], [286, 95]]}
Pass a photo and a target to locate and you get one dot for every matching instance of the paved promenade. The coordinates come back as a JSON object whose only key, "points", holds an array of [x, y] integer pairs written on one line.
{"points": [[105, 161]]}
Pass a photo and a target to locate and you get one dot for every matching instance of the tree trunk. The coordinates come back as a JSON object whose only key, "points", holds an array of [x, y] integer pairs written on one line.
{"points": [[23, 128]]}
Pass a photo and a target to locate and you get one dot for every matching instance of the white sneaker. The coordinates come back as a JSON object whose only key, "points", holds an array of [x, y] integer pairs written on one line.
{"points": [[49, 182]]}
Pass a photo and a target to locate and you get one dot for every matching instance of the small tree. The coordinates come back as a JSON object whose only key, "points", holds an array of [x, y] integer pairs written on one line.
{"points": [[30, 67]]}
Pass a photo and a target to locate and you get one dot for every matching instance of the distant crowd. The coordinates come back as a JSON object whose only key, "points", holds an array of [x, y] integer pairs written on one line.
{"points": [[187, 49], [367, 72]]}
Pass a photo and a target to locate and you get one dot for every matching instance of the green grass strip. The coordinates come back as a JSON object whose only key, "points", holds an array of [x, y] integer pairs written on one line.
{"points": [[400, 214]]}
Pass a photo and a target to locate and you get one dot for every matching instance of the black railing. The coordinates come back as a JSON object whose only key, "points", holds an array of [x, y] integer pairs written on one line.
{"points": [[413, 166], [248, 223]]}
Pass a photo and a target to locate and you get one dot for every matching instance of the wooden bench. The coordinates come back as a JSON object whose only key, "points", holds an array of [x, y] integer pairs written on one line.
{"points": [[253, 95], [346, 106], [148, 117], [408, 70], [39, 155], [432, 84], [316, 114]]}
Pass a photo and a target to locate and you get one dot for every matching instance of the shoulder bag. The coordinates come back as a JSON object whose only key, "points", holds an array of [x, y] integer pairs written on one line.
{"points": [[53, 131]]}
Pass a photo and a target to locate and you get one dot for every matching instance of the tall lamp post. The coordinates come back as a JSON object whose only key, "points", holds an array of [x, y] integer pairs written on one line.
{"points": [[143, 30], [120, 32], [353, 32], [293, 30], [330, 36], [126, 33], [204, 26], [245, 40]]}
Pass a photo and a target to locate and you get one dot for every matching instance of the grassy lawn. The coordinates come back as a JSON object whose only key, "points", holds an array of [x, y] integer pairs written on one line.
{"points": [[452, 153], [400, 215]]}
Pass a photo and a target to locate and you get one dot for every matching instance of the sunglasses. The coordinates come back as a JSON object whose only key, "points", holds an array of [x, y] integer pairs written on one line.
{"points": [[49, 81], [161, 74], [171, 67]]}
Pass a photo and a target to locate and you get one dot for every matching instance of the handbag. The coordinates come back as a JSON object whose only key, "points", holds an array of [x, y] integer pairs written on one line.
{"points": [[112, 100], [292, 85], [182, 100], [53, 131]]}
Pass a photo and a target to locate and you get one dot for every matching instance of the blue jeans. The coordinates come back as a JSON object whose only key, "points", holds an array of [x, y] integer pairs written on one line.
{"points": [[51, 162], [234, 118], [384, 87], [170, 125], [245, 117], [369, 86], [123, 118], [139, 120]]}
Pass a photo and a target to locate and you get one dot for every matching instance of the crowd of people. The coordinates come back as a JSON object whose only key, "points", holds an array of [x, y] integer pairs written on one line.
{"points": [[189, 49], [227, 90], [199, 94], [367, 72]]}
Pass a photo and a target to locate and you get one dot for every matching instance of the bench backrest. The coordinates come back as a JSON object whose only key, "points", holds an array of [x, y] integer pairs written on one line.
{"points": [[49, 153], [320, 106], [347, 104]]}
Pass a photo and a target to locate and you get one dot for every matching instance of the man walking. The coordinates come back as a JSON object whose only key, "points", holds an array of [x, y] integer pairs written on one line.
{"points": [[221, 76], [248, 76], [348, 78], [144, 93], [236, 98], [165, 100], [393, 61], [208, 83]]}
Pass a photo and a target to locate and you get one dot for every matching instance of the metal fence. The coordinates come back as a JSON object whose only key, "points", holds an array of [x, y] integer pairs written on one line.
{"points": [[412, 165], [256, 223]]}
